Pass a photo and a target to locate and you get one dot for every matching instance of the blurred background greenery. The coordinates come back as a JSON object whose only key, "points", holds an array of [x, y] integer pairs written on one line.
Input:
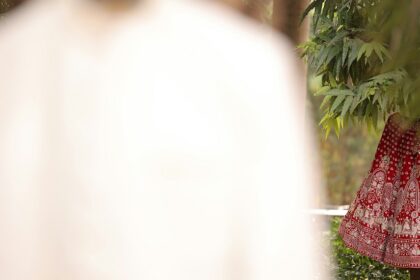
{"points": [[345, 160]]}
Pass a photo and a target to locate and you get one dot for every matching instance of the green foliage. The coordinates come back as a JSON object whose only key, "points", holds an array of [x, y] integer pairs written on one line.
{"points": [[353, 266], [367, 62], [346, 160]]}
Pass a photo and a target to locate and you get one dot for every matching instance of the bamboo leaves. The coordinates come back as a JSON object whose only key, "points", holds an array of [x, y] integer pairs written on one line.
{"points": [[346, 106], [354, 49], [367, 49], [362, 80]]}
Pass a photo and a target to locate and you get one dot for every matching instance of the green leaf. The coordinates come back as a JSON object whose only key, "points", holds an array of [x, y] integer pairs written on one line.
{"points": [[362, 51], [337, 127], [354, 50], [323, 53], [338, 37], [385, 99], [384, 51], [345, 51], [346, 106], [318, 9], [327, 132], [311, 6], [377, 48], [322, 91], [338, 100], [368, 110], [332, 80], [332, 53], [338, 92], [338, 66], [369, 50], [375, 98], [354, 104], [325, 101]]}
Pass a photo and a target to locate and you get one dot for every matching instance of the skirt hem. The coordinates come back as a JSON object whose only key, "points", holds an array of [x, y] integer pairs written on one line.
{"points": [[355, 244]]}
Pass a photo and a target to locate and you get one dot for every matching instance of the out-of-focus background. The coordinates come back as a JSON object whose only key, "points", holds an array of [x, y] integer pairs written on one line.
{"points": [[344, 159]]}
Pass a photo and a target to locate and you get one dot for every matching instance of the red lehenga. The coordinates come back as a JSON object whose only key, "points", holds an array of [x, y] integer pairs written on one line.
{"points": [[383, 222]]}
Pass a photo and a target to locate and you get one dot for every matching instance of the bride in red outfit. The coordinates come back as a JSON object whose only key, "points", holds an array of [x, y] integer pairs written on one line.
{"points": [[383, 221]]}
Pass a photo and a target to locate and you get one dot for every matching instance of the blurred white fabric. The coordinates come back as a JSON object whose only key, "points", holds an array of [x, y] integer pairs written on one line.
{"points": [[159, 143]]}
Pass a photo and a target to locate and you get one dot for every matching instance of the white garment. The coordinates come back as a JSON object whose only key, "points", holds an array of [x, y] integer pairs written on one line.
{"points": [[161, 143]]}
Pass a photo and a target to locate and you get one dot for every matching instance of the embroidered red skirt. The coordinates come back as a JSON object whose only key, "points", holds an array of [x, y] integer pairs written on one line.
{"points": [[383, 222]]}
